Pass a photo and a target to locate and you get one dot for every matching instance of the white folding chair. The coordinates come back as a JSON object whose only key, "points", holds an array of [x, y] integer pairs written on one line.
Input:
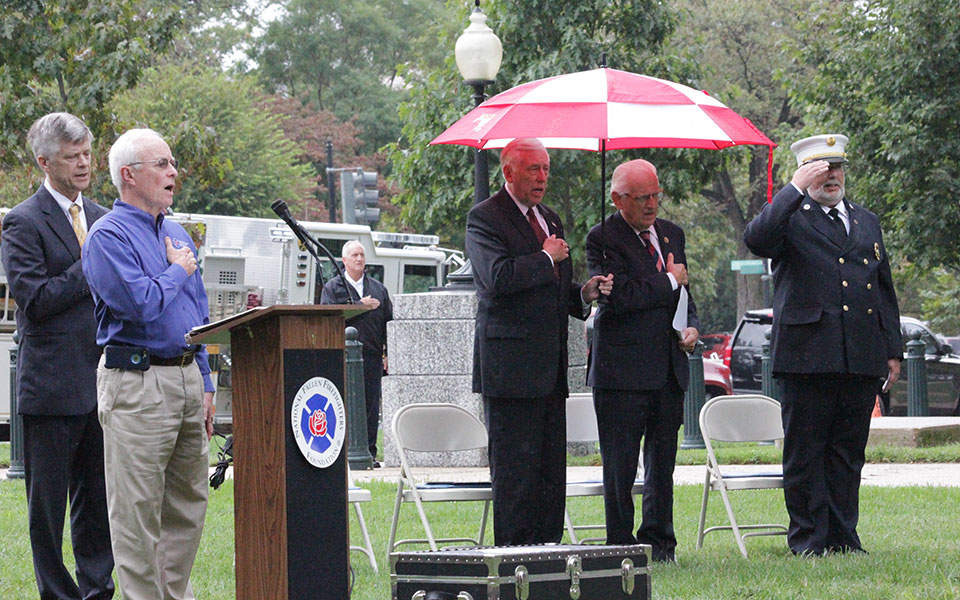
{"points": [[582, 428], [355, 496], [744, 418], [436, 427]]}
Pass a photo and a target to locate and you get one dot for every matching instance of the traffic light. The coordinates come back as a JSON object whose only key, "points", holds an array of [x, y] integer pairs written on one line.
{"points": [[359, 196]]}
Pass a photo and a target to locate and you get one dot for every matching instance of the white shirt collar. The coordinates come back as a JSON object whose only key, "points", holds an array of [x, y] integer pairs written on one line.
{"points": [[65, 203]]}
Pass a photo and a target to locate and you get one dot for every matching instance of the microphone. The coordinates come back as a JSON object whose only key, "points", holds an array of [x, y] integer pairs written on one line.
{"points": [[309, 242]]}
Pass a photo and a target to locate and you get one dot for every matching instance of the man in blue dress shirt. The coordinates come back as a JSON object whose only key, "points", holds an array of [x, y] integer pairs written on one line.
{"points": [[154, 393]]}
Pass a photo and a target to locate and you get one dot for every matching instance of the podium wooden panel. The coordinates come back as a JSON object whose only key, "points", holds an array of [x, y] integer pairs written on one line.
{"points": [[290, 517]]}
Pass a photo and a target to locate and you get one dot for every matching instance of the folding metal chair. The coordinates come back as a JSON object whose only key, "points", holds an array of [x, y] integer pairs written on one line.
{"points": [[436, 427], [745, 418], [582, 428], [356, 496]]}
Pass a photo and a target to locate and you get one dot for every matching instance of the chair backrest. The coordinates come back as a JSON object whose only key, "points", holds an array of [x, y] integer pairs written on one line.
{"points": [[741, 418], [581, 418], [437, 427]]}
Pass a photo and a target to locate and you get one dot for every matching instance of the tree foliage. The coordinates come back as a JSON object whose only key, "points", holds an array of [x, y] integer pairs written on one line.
{"points": [[889, 77], [235, 159], [74, 56], [342, 55]]}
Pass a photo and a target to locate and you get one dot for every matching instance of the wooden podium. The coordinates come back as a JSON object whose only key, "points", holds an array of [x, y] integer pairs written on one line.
{"points": [[290, 516]]}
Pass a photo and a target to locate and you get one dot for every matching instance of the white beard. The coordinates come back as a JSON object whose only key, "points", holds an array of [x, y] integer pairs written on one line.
{"points": [[826, 198]]}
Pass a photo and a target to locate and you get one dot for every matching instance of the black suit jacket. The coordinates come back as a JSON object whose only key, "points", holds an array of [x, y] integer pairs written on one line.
{"points": [[520, 341], [58, 355], [634, 345], [834, 306], [372, 324]]}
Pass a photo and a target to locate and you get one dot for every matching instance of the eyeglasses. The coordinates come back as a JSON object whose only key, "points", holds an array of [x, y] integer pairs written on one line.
{"points": [[160, 162], [658, 196]]}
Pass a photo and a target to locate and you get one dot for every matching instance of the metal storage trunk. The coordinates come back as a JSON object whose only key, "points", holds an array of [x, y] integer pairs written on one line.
{"points": [[547, 572]]}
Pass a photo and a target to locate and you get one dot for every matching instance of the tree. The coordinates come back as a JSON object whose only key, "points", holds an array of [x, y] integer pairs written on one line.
{"points": [[889, 76], [311, 129], [74, 56], [343, 55], [541, 38], [235, 159]]}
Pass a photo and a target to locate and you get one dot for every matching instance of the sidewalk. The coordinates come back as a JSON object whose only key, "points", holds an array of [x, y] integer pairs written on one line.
{"points": [[885, 475]]}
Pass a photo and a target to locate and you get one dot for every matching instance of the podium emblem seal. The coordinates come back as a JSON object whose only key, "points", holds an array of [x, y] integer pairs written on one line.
{"points": [[318, 421]]}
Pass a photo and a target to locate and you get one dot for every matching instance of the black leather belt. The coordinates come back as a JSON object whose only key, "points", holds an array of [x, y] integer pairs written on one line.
{"points": [[177, 361]]}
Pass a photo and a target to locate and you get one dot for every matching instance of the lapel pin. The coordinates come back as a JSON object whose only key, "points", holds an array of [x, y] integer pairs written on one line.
{"points": [[666, 240], [806, 207], [856, 222]]}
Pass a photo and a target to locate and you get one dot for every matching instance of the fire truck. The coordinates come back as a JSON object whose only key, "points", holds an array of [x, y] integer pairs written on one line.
{"points": [[248, 262]]}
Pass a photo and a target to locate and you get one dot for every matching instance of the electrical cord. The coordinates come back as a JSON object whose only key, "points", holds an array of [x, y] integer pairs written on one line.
{"points": [[224, 460]]}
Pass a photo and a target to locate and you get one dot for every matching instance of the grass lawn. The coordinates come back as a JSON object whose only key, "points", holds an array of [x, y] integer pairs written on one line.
{"points": [[912, 533]]}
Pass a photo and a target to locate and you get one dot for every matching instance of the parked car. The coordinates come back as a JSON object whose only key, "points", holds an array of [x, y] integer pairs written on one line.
{"points": [[943, 364], [716, 374], [715, 344]]}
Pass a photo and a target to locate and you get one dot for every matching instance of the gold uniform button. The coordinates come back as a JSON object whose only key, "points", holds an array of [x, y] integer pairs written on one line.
{"points": [[845, 307], [866, 262], [841, 260], [869, 286], [869, 311], [844, 284]]}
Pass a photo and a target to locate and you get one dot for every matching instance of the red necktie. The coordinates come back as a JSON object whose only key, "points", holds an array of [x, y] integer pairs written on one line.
{"points": [[541, 235], [645, 238], [532, 218]]}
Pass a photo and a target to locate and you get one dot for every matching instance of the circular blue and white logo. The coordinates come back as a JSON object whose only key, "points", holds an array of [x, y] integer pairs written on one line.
{"points": [[318, 421]]}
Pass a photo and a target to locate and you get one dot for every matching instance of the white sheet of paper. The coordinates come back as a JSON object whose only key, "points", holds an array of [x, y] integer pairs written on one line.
{"points": [[680, 317]]}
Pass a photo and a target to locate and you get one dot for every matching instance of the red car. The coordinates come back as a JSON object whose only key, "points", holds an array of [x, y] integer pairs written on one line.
{"points": [[715, 344], [716, 374]]}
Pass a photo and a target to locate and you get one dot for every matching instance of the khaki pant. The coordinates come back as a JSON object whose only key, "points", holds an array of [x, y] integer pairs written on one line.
{"points": [[155, 457]]}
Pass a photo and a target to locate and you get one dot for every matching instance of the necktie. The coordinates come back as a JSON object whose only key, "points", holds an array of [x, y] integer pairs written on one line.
{"points": [[540, 233], [837, 223], [532, 219], [77, 227], [645, 238]]}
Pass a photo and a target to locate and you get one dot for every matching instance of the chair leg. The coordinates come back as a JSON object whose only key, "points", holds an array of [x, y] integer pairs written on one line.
{"points": [[368, 547], [569, 524], [423, 519], [396, 519], [483, 522], [733, 519], [703, 510]]}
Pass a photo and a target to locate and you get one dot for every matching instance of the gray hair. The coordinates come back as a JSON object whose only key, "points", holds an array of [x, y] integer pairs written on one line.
{"points": [[346, 248], [49, 132], [126, 150]]}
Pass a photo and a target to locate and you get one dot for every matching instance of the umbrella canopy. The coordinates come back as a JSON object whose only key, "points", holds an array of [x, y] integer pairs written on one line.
{"points": [[604, 109]]}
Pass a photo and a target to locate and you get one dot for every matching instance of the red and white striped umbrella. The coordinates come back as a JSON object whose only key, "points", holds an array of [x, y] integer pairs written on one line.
{"points": [[604, 109]]}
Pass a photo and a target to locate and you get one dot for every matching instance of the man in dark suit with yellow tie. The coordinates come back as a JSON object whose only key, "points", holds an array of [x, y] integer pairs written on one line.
{"points": [[638, 362], [522, 272], [835, 337], [57, 364]]}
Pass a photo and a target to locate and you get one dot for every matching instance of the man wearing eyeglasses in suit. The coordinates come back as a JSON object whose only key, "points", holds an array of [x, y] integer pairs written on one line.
{"points": [[154, 393], [638, 362]]}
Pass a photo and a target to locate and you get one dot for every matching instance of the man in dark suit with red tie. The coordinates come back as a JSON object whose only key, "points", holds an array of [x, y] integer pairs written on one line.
{"points": [[638, 362], [57, 364], [522, 272]]}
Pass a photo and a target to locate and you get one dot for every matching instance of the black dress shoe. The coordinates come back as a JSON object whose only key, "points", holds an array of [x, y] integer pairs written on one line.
{"points": [[664, 557], [376, 464]]}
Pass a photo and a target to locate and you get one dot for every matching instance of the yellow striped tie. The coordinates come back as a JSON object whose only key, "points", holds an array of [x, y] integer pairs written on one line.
{"points": [[77, 227]]}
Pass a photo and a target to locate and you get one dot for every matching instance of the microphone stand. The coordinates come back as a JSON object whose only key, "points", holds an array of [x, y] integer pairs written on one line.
{"points": [[309, 242]]}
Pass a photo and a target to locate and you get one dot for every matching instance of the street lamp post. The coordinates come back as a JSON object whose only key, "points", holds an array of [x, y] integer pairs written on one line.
{"points": [[478, 53]]}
